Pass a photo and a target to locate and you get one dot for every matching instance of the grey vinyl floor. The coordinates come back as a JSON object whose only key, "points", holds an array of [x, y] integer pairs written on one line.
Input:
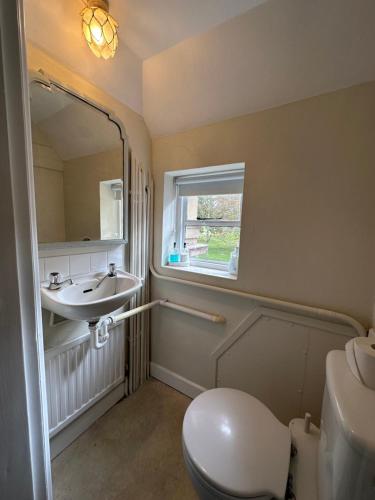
{"points": [[133, 452]]}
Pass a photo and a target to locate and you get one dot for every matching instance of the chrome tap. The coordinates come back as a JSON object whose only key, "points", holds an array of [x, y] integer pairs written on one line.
{"points": [[112, 273], [56, 282]]}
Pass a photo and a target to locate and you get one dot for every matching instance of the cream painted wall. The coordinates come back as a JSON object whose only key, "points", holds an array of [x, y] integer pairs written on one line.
{"points": [[67, 192], [308, 227], [134, 124], [49, 189], [82, 178], [308, 236]]}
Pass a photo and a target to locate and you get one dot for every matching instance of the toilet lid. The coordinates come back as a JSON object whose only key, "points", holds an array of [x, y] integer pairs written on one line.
{"points": [[237, 444]]}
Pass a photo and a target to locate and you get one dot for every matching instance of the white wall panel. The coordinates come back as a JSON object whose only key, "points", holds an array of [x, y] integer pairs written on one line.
{"points": [[278, 357], [267, 361]]}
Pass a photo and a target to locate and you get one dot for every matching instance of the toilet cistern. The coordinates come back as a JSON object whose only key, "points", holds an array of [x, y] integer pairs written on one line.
{"points": [[255, 460]]}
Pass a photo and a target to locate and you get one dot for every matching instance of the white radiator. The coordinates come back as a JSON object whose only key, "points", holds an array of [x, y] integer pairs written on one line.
{"points": [[77, 375]]}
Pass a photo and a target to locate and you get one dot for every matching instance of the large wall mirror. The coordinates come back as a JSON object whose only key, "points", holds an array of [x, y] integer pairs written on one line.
{"points": [[80, 168]]}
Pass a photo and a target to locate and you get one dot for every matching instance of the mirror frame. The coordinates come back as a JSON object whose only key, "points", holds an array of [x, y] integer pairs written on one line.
{"points": [[41, 79]]}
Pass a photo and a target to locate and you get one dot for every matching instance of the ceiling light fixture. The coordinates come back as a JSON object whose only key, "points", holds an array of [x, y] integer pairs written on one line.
{"points": [[99, 28]]}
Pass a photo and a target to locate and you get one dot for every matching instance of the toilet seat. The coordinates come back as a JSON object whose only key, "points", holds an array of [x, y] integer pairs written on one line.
{"points": [[237, 445]]}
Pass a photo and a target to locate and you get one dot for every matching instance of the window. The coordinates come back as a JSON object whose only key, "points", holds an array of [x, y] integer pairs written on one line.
{"points": [[111, 209], [208, 204], [210, 227]]}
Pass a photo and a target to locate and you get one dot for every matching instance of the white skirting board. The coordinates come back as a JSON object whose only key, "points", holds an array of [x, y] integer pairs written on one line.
{"points": [[176, 381], [66, 436]]}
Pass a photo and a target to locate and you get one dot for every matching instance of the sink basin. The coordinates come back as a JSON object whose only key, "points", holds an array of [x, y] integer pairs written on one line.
{"points": [[83, 301]]}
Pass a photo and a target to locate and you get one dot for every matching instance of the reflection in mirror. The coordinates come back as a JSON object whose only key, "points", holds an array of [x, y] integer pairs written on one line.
{"points": [[78, 168]]}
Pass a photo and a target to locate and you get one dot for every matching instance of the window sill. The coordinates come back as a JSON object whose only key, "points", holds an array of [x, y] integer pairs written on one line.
{"points": [[203, 271]]}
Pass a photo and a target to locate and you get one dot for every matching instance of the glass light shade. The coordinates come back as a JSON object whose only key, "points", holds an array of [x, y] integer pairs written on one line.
{"points": [[100, 30]]}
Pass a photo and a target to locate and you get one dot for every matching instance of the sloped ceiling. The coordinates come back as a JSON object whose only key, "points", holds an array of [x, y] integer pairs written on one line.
{"points": [[151, 26], [278, 52], [146, 28], [186, 63]]}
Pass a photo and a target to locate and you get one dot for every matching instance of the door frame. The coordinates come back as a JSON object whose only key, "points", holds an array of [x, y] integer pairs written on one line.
{"points": [[25, 471]]}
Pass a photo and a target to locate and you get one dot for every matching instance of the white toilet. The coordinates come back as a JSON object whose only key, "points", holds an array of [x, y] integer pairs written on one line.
{"points": [[234, 447]]}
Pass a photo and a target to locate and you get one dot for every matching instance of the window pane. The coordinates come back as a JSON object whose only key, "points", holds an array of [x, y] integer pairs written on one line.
{"points": [[212, 243], [219, 206]]}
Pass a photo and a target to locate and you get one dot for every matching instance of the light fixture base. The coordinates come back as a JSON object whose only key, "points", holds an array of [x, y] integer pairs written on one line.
{"points": [[102, 4]]}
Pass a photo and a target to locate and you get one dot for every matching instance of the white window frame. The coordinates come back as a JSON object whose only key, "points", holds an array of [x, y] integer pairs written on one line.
{"points": [[182, 221], [201, 181]]}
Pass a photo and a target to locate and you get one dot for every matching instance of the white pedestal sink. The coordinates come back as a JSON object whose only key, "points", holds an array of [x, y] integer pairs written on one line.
{"points": [[84, 301]]}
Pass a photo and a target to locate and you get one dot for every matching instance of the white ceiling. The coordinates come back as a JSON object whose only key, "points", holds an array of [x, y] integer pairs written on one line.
{"points": [[280, 52], [146, 27], [151, 26], [207, 60]]}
